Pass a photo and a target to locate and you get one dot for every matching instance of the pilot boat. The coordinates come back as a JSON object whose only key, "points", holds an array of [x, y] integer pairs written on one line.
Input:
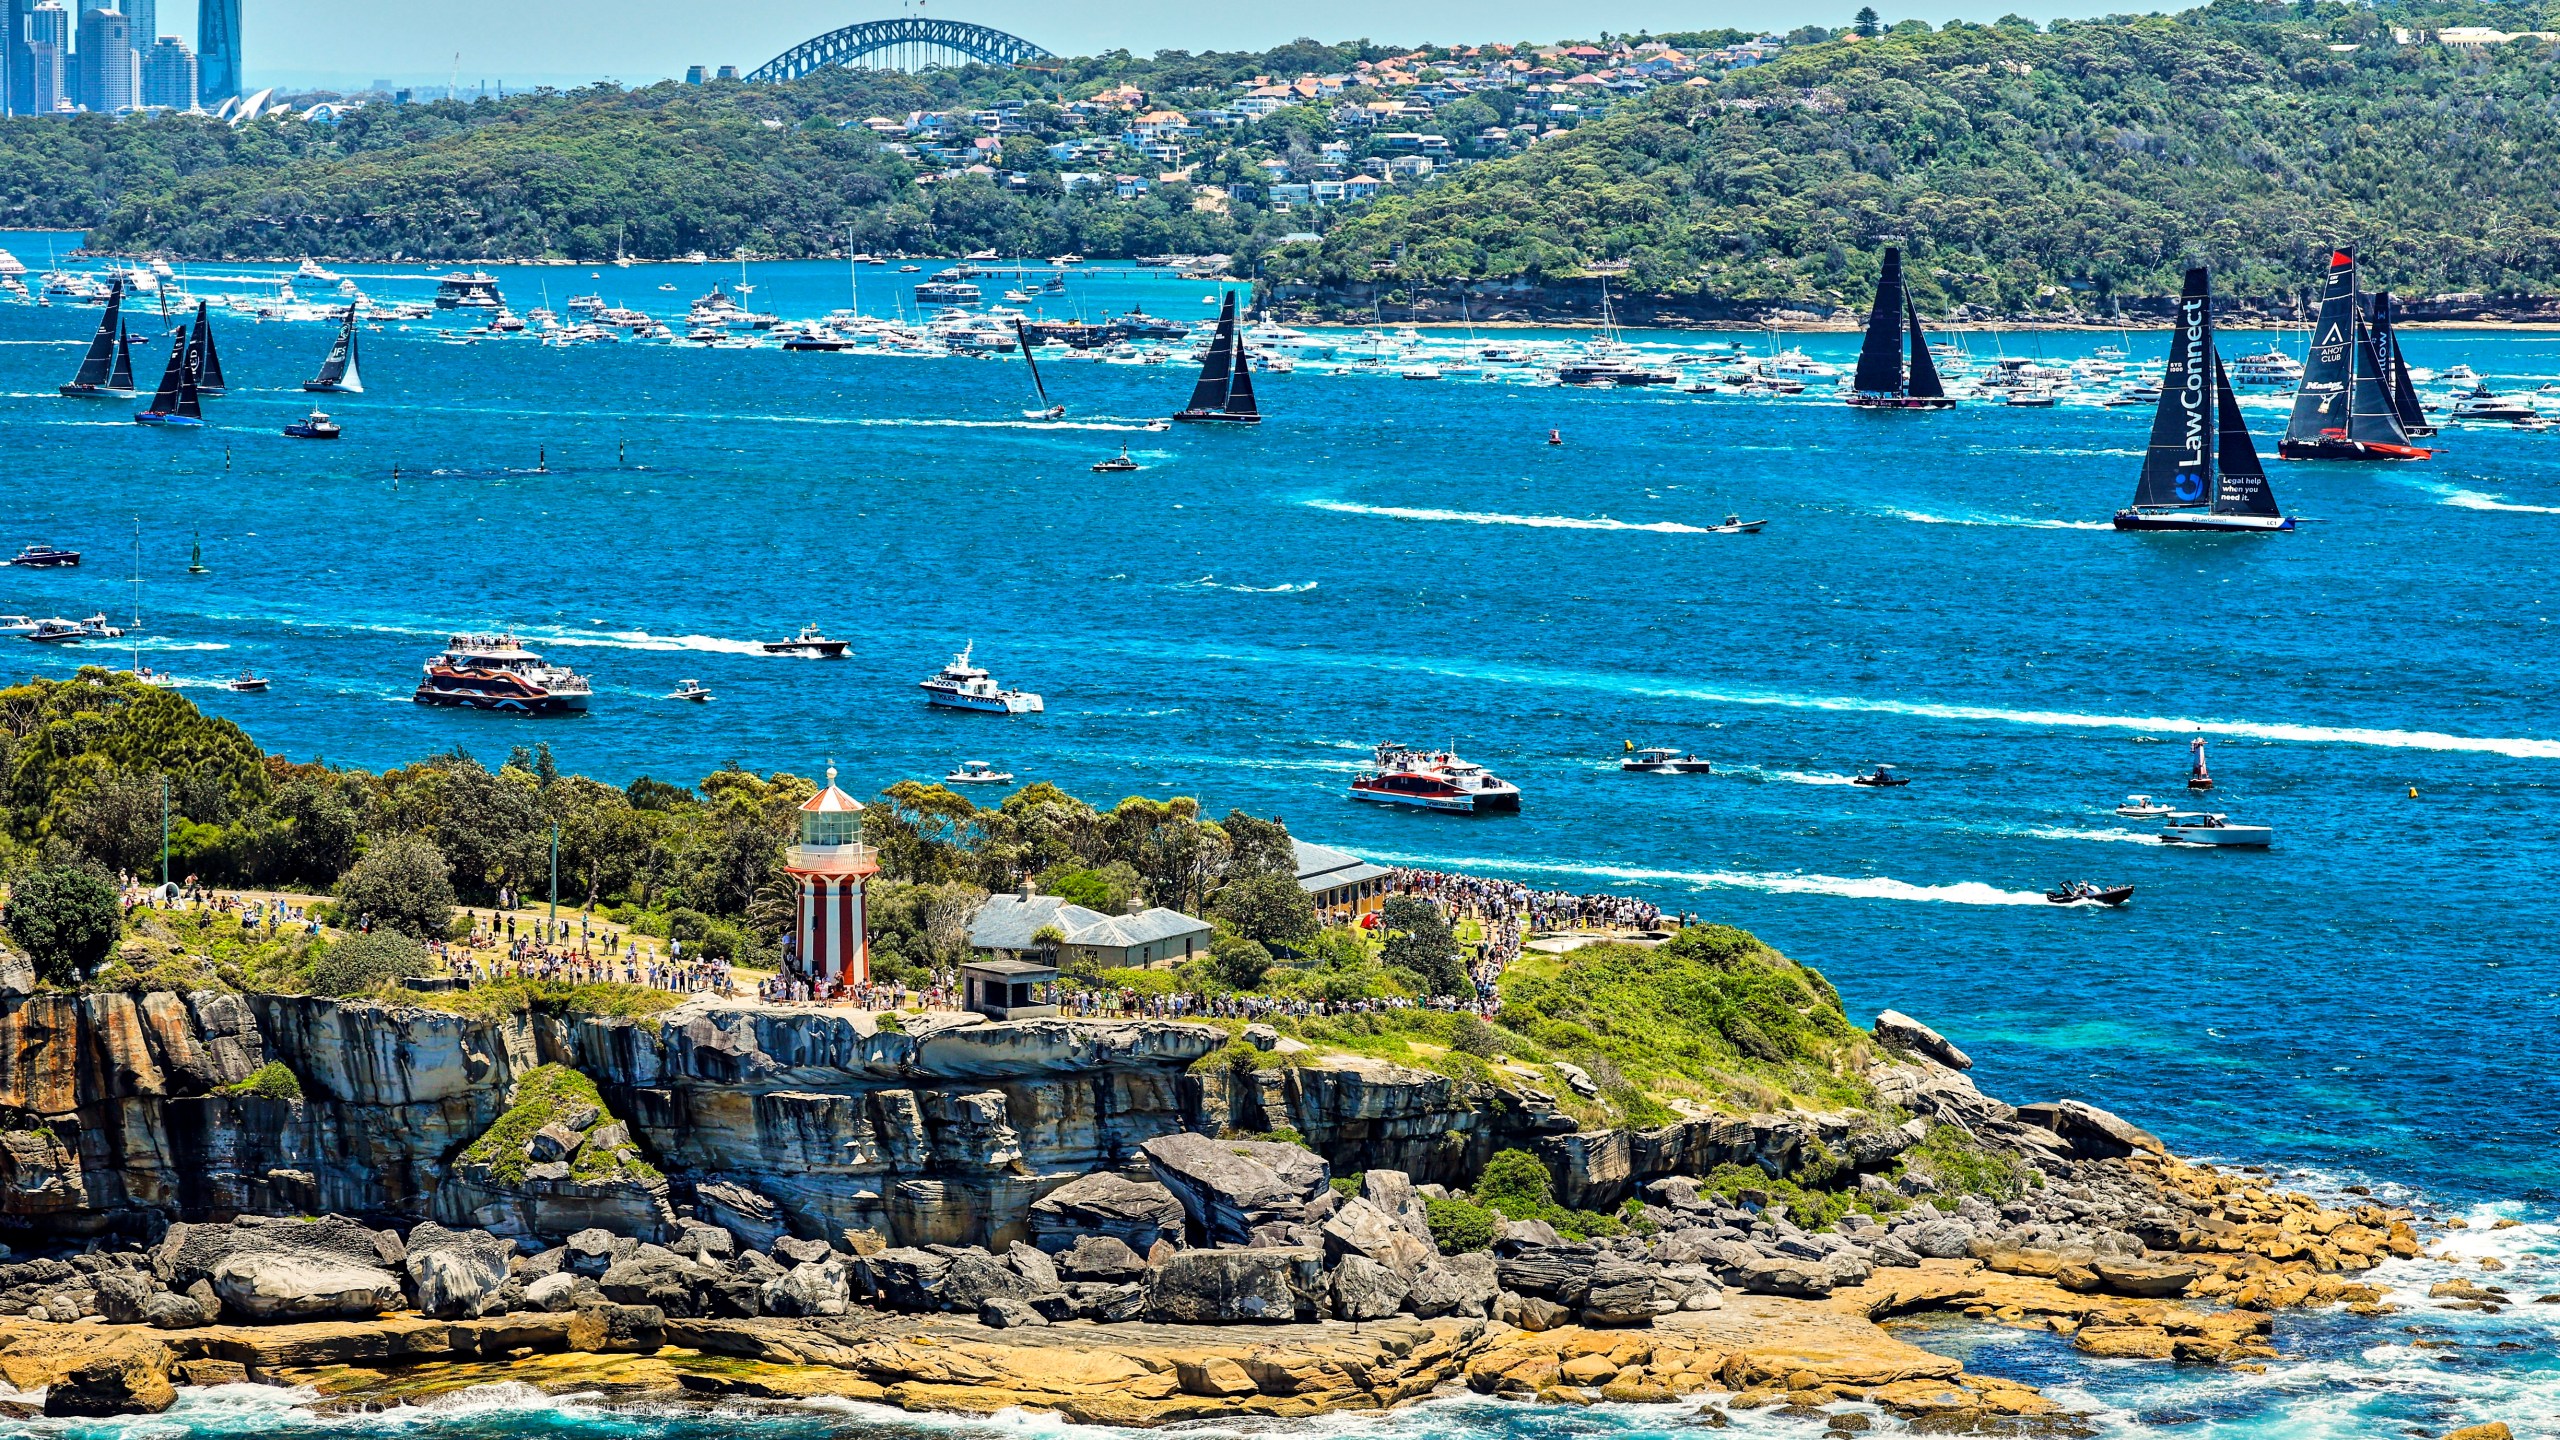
{"points": [[963, 686], [1659, 761], [2199, 827], [495, 672], [1433, 780], [978, 772], [314, 426], [1119, 464], [808, 642]]}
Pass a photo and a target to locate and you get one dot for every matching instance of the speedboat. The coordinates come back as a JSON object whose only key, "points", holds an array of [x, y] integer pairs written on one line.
{"points": [[46, 557], [2142, 807], [58, 632], [963, 686], [2039, 398], [1736, 525], [1433, 781], [1883, 778], [247, 682], [689, 690], [978, 772], [1660, 761], [2081, 892], [2200, 827], [315, 426], [1119, 464], [808, 642]]}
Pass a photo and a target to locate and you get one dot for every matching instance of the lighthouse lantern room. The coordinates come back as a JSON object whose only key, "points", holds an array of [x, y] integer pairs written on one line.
{"points": [[830, 944]]}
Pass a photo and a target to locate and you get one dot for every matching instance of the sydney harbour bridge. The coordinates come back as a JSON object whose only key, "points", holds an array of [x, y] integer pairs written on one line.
{"points": [[911, 44]]}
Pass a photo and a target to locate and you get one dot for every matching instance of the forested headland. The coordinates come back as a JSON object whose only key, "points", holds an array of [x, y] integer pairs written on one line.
{"points": [[2024, 167]]}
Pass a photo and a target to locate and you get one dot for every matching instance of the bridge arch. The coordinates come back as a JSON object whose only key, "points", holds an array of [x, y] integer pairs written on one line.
{"points": [[909, 44]]}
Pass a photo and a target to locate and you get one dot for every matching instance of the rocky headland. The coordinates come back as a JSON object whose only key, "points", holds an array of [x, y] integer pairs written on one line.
{"points": [[1095, 1218]]}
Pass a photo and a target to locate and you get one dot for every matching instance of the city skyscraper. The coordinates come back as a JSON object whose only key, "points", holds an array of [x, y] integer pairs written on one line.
{"points": [[17, 70], [217, 51], [145, 15], [106, 61], [45, 63], [169, 74]]}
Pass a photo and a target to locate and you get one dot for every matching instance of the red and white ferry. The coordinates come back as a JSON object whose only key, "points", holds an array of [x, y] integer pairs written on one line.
{"points": [[1433, 781], [493, 672]]}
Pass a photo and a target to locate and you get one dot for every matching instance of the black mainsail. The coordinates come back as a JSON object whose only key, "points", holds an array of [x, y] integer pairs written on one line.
{"points": [[2343, 410], [120, 379], [2404, 396], [98, 366], [338, 373], [208, 371], [2198, 422], [1047, 410], [1881, 382], [1224, 391], [175, 401]]}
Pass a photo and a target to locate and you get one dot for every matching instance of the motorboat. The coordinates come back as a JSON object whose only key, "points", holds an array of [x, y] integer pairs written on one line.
{"points": [[1119, 464], [2269, 369], [689, 690], [2201, 827], [16, 625], [2142, 807], [1736, 525], [1883, 778], [2038, 398], [45, 557], [1661, 761], [314, 426], [58, 632], [2482, 403], [495, 672], [963, 686], [247, 682], [1433, 780], [2081, 892], [978, 772], [808, 642]]}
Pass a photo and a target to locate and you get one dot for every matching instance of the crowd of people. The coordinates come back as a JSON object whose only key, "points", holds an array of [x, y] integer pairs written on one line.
{"points": [[581, 952], [1507, 912]]}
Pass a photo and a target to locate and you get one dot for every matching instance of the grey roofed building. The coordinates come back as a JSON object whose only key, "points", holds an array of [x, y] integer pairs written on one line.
{"points": [[1338, 878], [1008, 923]]}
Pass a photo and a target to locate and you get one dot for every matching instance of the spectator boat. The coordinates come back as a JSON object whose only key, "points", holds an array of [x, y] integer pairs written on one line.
{"points": [[1433, 780]]}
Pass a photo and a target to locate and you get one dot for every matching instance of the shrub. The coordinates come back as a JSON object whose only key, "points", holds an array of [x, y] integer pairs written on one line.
{"points": [[1236, 962], [362, 964], [1516, 1183], [271, 1081], [1458, 1227], [404, 884], [1474, 1037], [67, 917], [547, 1093]]}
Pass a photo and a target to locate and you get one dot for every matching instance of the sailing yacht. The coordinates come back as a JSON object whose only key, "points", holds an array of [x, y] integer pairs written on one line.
{"points": [[338, 374], [2202, 471], [1047, 410], [175, 403], [108, 367], [1224, 392], [1881, 382], [2344, 410], [206, 377], [2395, 366]]}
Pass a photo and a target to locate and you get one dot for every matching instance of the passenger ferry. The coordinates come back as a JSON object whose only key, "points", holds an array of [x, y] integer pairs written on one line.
{"points": [[963, 686], [1433, 781], [948, 292], [472, 290], [494, 672], [2269, 369]]}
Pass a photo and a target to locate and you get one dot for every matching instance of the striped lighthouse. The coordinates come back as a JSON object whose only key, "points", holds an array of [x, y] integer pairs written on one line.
{"points": [[830, 944]]}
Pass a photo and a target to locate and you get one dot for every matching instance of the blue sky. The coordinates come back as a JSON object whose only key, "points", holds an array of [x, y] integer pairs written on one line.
{"points": [[559, 41]]}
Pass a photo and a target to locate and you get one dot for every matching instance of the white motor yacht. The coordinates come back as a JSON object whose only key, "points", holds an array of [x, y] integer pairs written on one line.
{"points": [[2482, 403], [2200, 827], [1661, 761], [978, 772], [963, 686]]}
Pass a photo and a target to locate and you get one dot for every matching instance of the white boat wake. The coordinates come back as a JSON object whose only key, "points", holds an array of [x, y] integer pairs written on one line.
{"points": [[1481, 517], [2009, 522], [2057, 832], [1792, 882], [2474, 500]]}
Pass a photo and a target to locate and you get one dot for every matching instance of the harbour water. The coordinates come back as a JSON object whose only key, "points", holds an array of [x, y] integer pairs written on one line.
{"points": [[2371, 1001]]}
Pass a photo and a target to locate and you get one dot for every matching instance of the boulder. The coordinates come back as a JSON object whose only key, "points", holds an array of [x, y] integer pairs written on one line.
{"points": [[1393, 1192], [1946, 1238], [122, 1297], [975, 1279], [653, 1275], [1516, 1234], [1898, 1031], [792, 1250], [743, 1212], [607, 1329], [552, 1143], [815, 1288], [128, 1377], [2089, 1133], [555, 1292], [703, 1241], [902, 1279], [590, 1252], [1360, 1227], [1137, 1213], [292, 1286], [1363, 1289], [2141, 1279], [1561, 1273], [1227, 1187], [165, 1311], [189, 1253], [1006, 1313], [1454, 1285], [1236, 1287], [1033, 1264], [1622, 1294], [1103, 1258], [17, 974], [1107, 1304], [1529, 1312], [1788, 1275], [455, 1273]]}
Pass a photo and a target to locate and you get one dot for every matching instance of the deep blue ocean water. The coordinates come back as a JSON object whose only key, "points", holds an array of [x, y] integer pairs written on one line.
{"points": [[2373, 1000]]}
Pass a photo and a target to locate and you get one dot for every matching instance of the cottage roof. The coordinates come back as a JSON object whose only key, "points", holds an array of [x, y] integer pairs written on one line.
{"points": [[1008, 922]]}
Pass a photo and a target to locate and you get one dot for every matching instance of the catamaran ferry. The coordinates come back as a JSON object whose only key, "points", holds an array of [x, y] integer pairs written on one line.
{"points": [[1433, 781], [474, 290], [495, 672]]}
